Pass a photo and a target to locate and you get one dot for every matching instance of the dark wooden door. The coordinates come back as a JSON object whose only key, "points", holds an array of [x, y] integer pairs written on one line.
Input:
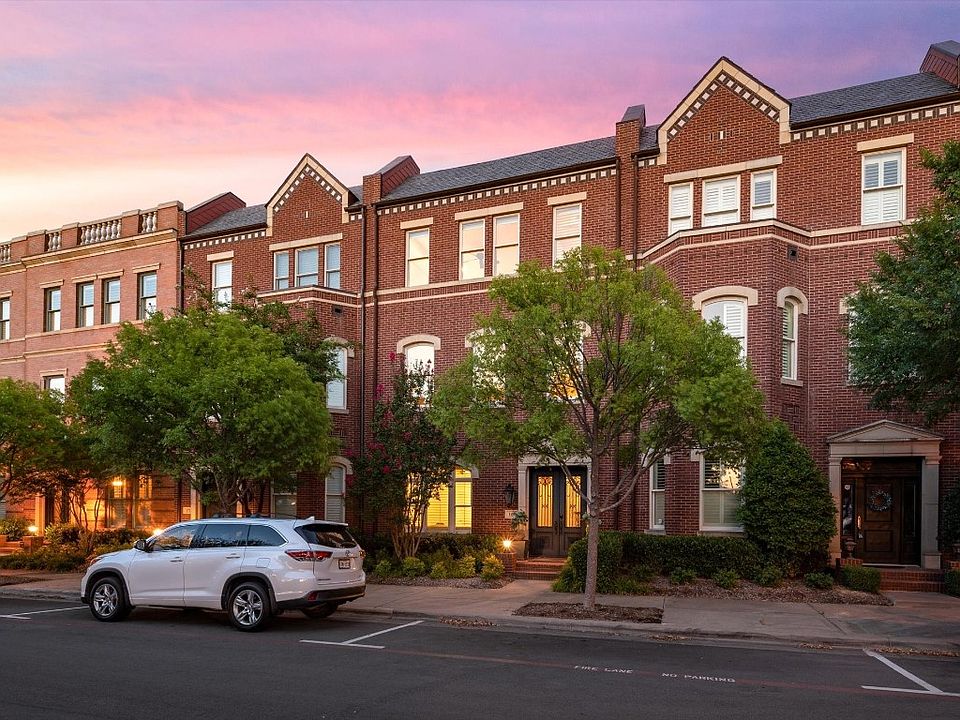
{"points": [[886, 503], [555, 511]]}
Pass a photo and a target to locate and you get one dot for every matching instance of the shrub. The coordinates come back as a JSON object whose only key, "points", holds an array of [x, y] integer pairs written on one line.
{"points": [[14, 527], [726, 579], [440, 571], [492, 568], [465, 567], [704, 554], [51, 559], [818, 581], [786, 505], [383, 569], [682, 576], [609, 560], [643, 573], [412, 567], [951, 582], [625, 585], [568, 581], [950, 522], [60, 534], [460, 545], [857, 577], [441, 557], [769, 576]]}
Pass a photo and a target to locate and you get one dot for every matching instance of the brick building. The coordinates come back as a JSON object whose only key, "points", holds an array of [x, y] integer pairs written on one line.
{"points": [[765, 211]]}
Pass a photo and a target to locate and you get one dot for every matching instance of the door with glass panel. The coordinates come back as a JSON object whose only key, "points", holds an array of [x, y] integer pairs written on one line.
{"points": [[556, 510]]}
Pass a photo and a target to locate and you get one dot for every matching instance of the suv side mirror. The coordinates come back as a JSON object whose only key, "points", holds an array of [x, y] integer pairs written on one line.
{"points": [[141, 544]]}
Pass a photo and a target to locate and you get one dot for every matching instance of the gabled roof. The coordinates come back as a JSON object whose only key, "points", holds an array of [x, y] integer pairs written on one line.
{"points": [[870, 96], [516, 167], [246, 218]]}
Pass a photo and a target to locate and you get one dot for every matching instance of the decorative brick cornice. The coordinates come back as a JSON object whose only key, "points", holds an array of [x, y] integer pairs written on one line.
{"points": [[212, 242], [902, 117]]}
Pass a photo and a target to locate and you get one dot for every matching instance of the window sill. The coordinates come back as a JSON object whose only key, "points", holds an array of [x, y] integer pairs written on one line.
{"points": [[447, 531], [655, 531], [338, 411], [791, 381], [720, 531]]}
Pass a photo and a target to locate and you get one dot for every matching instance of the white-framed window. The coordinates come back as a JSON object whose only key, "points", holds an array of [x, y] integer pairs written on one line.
{"points": [[721, 201], [308, 267], [337, 388], [146, 295], [418, 257], [567, 229], [732, 314], [85, 305], [658, 495], [506, 244], [681, 207], [452, 509], [222, 274], [111, 301], [55, 384], [4, 318], [51, 309], [788, 346], [719, 495], [851, 372], [281, 270], [472, 257], [763, 195], [882, 188], [331, 265], [422, 355], [284, 504], [335, 493]]}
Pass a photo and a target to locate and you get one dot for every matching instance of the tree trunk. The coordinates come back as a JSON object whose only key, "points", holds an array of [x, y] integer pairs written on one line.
{"points": [[593, 537]]}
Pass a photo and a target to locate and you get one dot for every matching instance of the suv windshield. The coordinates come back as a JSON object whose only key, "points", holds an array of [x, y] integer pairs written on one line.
{"points": [[329, 535]]}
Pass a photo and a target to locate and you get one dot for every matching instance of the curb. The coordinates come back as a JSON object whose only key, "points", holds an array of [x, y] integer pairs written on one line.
{"points": [[65, 595]]}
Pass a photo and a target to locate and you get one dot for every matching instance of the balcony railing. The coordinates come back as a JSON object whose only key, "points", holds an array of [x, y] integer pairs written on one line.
{"points": [[100, 232], [148, 221], [53, 241], [4, 253]]}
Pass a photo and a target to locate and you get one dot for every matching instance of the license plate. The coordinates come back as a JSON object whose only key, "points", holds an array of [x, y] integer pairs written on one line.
{"points": [[343, 563]]}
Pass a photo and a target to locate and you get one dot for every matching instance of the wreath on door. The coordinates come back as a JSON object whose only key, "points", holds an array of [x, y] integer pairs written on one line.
{"points": [[879, 500]]}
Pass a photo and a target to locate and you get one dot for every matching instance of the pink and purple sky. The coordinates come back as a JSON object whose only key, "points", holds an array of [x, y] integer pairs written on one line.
{"points": [[113, 106]]}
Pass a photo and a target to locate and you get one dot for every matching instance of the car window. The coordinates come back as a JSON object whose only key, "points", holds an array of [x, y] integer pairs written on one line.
{"points": [[176, 538], [217, 535], [264, 536], [335, 536]]}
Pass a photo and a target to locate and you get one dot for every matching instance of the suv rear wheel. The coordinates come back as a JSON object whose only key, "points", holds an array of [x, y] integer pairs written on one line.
{"points": [[249, 606], [108, 600], [316, 612]]}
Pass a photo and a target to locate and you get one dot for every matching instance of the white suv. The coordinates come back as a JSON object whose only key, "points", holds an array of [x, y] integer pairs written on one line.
{"points": [[253, 568]]}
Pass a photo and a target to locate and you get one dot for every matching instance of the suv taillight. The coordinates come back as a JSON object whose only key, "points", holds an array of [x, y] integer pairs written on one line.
{"points": [[308, 555]]}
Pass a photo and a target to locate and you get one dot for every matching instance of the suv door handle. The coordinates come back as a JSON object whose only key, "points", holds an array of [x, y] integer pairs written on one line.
{"points": [[176, 559], [233, 556]]}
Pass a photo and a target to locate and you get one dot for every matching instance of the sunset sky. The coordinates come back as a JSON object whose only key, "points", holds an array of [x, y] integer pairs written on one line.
{"points": [[107, 107]]}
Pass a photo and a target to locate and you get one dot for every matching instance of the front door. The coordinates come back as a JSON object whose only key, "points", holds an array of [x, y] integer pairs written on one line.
{"points": [[556, 511], [884, 494]]}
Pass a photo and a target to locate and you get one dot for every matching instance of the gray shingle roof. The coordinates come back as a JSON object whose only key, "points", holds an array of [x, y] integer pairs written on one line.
{"points": [[871, 96], [515, 167], [234, 220], [950, 47]]}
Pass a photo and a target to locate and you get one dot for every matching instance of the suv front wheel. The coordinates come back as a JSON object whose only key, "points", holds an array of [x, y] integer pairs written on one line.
{"points": [[249, 607], [108, 600]]}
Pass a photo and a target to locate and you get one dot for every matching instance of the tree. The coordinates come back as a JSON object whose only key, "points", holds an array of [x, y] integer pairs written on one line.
{"points": [[592, 359], [204, 394], [407, 460], [905, 322], [31, 429], [786, 506]]}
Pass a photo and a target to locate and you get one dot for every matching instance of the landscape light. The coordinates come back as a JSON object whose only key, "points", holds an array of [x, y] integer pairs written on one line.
{"points": [[507, 544], [33, 529]]}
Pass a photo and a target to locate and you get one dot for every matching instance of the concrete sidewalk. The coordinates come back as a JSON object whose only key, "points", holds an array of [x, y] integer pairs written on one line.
{"points": [[924, 621]]}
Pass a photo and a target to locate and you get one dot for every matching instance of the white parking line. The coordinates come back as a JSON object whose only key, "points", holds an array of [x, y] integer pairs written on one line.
{"points": [[355, 642], [928, 689], [22, 616]]}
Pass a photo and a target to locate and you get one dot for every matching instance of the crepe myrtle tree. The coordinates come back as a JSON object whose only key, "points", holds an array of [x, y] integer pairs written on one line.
{"points": [[207, 395], [407, 459], [904, 329], [594, 359]]}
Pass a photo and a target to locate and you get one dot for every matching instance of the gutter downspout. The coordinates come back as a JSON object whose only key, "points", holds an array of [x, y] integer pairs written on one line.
{"points": [[363, 326], [636, 206]]}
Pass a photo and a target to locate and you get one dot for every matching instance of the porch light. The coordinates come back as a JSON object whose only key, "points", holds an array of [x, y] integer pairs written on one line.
{"points": [[509, 494], [33, 529], [507, 544]]}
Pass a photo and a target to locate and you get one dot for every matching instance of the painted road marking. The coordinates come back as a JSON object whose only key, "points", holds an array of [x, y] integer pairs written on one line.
{"points": [[22, 615], [355, 642], [928, 689]]}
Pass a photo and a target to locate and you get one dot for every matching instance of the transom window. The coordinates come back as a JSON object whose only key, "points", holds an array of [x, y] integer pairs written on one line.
{"points": [[452, 509], [681, 207], [308, 268], [882, 188], [111, 301], [281, 270], [788, 350], [721, 201], [658, 487], [335, 494], [732, 314], [506, 244], [567, 229], [55, 384], [472, 256], [85, 304], [146, 295], [763, 195], [223, 282], [331, 265], [51, 306], [418, 257], [719, 498]]}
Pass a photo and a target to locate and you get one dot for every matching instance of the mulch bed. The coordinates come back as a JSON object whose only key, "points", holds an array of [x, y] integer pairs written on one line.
{"points": [[475, 583], [576, 611], [788, 591]]}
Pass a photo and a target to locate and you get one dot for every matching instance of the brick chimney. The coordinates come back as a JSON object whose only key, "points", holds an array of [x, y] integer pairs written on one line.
{"points": [[943, 60]]}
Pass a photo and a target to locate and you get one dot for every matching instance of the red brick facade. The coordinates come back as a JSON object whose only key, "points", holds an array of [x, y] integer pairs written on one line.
{"points": [[812, 251]]}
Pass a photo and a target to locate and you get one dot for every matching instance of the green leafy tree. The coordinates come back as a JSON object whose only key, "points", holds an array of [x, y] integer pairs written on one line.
{"points": [[786, 506], [207, 395], [31, 430], [407, 460], [592, 359], [905, 322]]}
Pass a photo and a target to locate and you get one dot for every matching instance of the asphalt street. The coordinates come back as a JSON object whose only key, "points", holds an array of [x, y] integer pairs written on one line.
{"points": [[61, 663]]}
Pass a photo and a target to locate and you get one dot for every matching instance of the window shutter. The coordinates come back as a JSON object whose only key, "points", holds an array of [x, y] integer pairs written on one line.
{"points": [[566, 221], [728, 195], [438, 510], [763, 190], [871, 175], [660, 475], [891, 172], [871, 208], [733, 319], [889, 201], [711, 198]]}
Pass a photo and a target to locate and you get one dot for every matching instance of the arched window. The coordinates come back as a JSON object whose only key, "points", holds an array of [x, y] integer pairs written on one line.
{"points": [[335, 492], [732, 314]]}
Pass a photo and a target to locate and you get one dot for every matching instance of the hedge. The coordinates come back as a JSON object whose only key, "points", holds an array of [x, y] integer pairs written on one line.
{"points": [[951, 582]]}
